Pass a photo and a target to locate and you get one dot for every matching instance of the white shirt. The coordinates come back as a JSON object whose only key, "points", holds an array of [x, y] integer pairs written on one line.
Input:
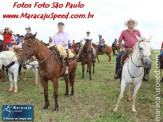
{"points": [[20, 44], [86, 37]]}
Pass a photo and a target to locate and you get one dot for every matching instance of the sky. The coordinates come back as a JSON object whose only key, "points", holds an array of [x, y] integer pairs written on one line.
{"points": [[108, 21]]}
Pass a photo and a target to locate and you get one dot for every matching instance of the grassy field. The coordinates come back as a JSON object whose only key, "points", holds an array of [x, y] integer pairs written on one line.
{"points": [[93, 100]]}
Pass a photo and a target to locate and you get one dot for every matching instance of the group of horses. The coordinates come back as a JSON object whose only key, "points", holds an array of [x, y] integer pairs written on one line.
{"points": [[51, 66]]}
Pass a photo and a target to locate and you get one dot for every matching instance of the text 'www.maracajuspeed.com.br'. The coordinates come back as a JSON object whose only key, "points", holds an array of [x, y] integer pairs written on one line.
{"points": [[52, 16]]}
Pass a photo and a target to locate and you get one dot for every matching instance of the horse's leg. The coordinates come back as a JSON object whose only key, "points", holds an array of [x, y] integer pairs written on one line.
{"points": [[113, 51], [66, 81], [15, 82], [55, 86], [72, 80], [129, 94], [24, 76], [19, 76], [136, 88], [45, 86], [109, 55], [98, 59], [35, 71], [93, 67], [123, 86], [11, 82], [89, 66], [83, 70]]}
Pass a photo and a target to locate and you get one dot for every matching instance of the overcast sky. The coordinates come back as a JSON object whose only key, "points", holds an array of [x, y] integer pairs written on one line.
{"points": [[108, 21]]}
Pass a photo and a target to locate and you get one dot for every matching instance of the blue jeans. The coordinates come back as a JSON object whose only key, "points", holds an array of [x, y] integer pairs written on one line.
{"points": [[118, 59], [160, 56], [9, 45]]}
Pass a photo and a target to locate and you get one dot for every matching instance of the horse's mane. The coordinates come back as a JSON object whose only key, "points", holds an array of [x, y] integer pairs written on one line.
{"points": [[136, 45]]}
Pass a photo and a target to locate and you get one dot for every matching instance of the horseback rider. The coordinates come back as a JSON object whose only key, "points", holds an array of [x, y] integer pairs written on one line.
{"points": [[101, 44], [7, 37], [160, 55], [28, 30], [115, 42], [129, 38], [82, 43], [62, 38], [21, 41]]}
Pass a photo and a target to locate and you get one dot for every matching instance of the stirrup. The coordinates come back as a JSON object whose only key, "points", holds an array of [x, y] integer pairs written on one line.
{"points": [[66, 70]]}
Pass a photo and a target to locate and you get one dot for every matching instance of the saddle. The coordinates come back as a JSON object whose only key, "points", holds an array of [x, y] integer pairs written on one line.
{"points": [[61, 58], [124, 58]]}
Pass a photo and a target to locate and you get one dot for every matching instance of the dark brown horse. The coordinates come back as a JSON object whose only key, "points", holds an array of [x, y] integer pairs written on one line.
{"points": [[50, 67], [87, 58], [115, 47], [105, 50], [76, 47]]}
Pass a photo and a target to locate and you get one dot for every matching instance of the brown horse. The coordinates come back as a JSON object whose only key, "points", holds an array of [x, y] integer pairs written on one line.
{"points": [[76, 47], [115, 47], [87, 58], [50, 67], [105, 50]]}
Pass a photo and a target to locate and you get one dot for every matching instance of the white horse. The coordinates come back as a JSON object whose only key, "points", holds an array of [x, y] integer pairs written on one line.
{"points": [[133, 69], [30, 65], [8, 57]]}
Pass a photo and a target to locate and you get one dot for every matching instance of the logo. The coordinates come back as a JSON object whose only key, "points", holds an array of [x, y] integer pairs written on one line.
{"points": [[17, 112]]}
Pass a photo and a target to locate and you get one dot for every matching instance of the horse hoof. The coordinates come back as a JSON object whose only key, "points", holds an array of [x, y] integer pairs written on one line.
{"points": [[115, 110], [25, 80], [11, 89], [35, 84], [56, 109], [66, 94], [129, 99], [45, 107], [15, 91], [134, 112]]}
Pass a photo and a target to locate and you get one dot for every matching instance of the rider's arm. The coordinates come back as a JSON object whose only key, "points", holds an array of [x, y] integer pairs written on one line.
{"points": [[81, 42], [120, 41], [1, 32]]}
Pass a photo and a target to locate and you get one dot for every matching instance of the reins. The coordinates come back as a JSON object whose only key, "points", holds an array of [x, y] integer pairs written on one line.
{"points": [[141, 58]]}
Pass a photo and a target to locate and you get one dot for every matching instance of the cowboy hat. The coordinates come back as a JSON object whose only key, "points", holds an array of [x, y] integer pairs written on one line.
{"points": [[28, 28], [136, 23], [99, 35]]}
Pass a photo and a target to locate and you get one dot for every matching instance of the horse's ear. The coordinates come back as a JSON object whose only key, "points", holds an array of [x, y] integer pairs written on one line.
{"points": [[34, 36], [149, 38], [138, 38]]}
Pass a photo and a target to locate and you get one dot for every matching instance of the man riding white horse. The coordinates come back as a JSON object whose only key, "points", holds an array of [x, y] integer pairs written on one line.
{"points": [[82, 43], [129, 38]]}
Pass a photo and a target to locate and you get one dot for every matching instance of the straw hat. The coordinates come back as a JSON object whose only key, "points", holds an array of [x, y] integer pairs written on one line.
{"points": [[136, 23]]}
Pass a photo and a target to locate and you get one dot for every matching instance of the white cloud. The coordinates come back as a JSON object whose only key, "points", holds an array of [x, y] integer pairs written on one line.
{"points": [[108, 21]]}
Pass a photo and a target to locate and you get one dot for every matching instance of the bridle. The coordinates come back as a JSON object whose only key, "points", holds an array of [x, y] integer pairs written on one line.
{"points": [[140, 54], [141, 58], [88, 50], [30, 52]]}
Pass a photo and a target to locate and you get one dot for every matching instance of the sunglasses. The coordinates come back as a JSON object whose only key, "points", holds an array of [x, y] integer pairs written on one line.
{"points": [[6, 29]]}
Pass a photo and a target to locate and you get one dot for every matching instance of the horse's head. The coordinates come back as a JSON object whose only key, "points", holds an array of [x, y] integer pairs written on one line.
{"points": [[88, 45], [144, 51], [28, 48]]}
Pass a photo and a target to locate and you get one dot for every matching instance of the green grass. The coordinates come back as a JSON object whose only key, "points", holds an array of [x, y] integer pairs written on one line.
{"points": [[93, 100]]}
